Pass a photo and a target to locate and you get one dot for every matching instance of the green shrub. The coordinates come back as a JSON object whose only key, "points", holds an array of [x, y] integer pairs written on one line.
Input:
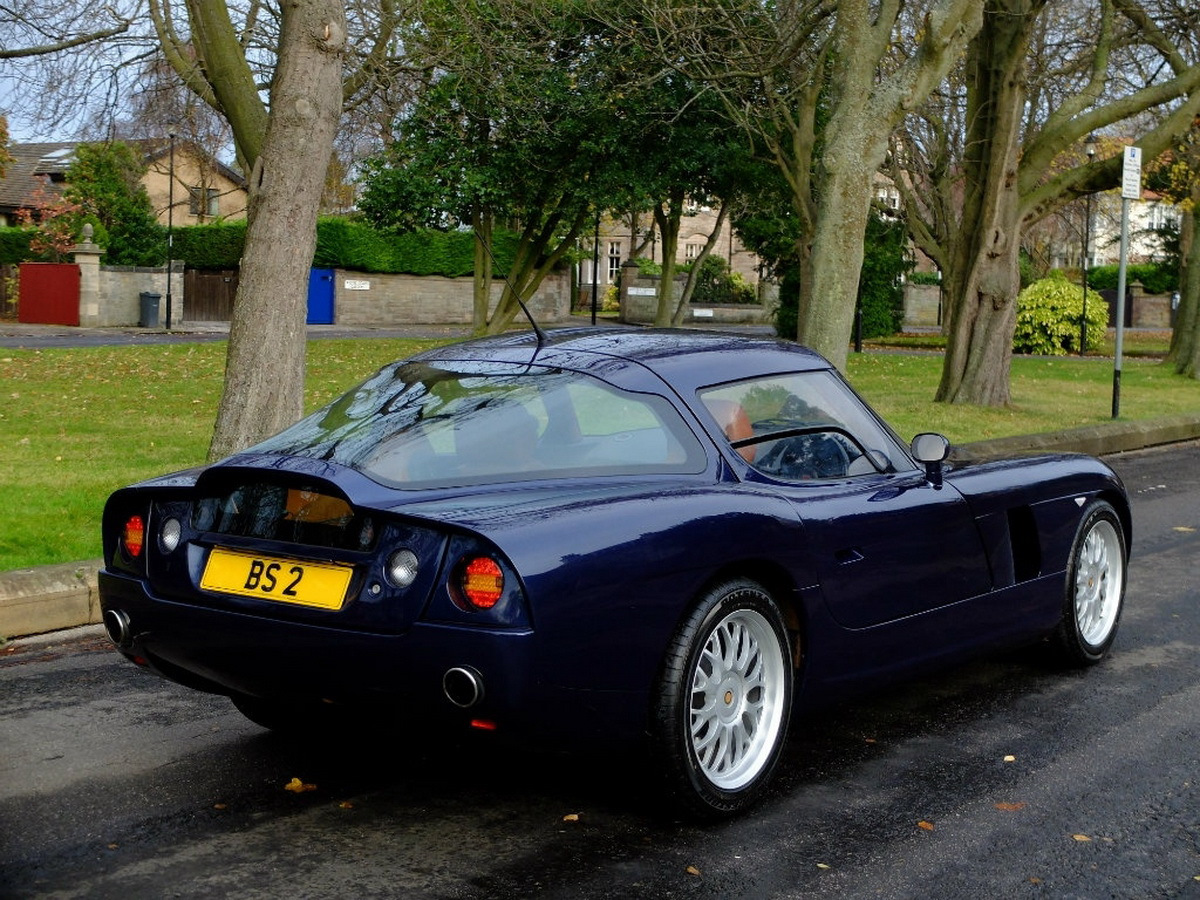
{"points": [[924, 277], [648, 266], [1048, 314], [14, 245], [1028, 270], [715, 283], [886, 259]]}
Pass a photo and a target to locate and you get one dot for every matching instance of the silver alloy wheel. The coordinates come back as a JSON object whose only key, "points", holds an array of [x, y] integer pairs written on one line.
{"points": [[1099, 578], [736, 699]]}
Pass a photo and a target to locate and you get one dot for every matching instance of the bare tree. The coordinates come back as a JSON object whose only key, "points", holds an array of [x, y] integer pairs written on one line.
{"points": [[280, 76], [284, 142], [821, 84], [999, 148], [1179, 179]]}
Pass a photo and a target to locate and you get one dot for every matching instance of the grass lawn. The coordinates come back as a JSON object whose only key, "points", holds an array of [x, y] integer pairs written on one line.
{"points": [[77, 424]]}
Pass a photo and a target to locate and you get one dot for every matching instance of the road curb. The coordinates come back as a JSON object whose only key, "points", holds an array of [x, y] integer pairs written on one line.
{"points": [[1097, 440], [50, 598]]}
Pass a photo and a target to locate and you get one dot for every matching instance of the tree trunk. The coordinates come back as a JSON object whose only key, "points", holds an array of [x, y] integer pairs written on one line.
{"points": [[837, 256], [481, 288], [689, 287], [865, 110], [668, 221], [265, 364], [1187, 321], [985, 277], [542, 247]]}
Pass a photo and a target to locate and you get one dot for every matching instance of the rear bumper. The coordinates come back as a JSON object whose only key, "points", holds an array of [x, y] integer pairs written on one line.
{"points": [[390, 675]]}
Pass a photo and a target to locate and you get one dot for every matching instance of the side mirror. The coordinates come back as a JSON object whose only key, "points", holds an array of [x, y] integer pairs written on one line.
{"points": [[931, 449]]}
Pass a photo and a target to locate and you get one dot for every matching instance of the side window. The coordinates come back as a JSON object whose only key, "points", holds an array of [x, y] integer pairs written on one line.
{"points": [[801, 427]]}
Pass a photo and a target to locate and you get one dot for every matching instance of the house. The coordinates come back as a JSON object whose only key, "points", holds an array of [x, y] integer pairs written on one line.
{"points": [[204, 188], [621, 240]]}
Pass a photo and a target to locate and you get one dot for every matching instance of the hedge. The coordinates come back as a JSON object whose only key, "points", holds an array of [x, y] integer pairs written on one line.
{"points": [[216, 246], [341, 244], [1156, 278]]}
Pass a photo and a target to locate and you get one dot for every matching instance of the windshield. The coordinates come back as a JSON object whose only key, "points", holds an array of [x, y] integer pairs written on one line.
{"points": [[416, 425]]}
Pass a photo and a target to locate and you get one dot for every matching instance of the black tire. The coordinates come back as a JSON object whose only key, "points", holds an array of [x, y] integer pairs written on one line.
{"points": [[1094, 593], [723, 699]]}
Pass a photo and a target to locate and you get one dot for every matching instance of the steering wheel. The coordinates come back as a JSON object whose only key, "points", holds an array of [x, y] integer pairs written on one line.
{"points": [[806, 456]]}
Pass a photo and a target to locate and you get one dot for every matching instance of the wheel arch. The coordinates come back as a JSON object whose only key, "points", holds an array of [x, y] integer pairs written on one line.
{"points": [[1120, 503], [776, 581]]}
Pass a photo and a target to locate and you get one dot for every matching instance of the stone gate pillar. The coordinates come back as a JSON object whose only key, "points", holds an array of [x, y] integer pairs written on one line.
{"points": [[87, 257]]}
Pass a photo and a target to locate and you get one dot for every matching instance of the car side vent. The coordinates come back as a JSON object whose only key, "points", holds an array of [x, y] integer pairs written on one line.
{"points": [[1026, 548]]}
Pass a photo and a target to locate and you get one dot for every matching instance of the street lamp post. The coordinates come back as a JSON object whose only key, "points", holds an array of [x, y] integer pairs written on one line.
{"points": [[1089, 147]]}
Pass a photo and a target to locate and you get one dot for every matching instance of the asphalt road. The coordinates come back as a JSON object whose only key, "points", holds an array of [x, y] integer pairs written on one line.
{"points": [[17, 336], [1007, 778]]}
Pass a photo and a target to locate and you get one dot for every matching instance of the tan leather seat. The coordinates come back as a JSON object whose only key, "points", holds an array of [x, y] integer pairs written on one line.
{"points": [[735, 423]]}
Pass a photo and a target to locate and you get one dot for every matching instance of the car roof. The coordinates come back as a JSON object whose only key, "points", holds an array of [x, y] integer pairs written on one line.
{"points": [[684, 358]]}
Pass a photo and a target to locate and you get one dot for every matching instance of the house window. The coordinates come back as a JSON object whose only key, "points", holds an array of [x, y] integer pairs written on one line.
{"points": [[691, 251], [1161, 216], [203, 201], [614, 261]]}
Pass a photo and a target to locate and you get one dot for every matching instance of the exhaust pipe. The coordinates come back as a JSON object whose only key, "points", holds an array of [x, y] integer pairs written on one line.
{"points": [[116, 623], [463, 686]]}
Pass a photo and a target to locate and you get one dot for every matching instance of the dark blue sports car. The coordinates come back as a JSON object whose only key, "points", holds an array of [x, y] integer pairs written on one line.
{"points": [[644, 536]]}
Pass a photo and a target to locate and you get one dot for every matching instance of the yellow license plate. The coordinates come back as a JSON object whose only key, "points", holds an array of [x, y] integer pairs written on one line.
{"points": [[270, 578]]}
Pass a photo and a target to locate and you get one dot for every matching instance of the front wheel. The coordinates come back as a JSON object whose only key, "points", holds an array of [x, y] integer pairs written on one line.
{"points": [[723, 700], [1095, 588]]}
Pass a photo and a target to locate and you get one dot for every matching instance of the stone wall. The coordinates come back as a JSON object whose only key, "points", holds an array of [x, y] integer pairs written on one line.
{"points": [[120, 292], [639, 304], [363, 299], [1149, 310]]}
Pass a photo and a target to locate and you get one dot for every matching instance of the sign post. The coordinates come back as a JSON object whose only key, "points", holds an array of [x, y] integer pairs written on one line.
{"points": [[1131, 189]]}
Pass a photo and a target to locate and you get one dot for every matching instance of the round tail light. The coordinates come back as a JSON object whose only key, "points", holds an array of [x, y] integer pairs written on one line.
{"points": [[481, 582], [134, 536]]}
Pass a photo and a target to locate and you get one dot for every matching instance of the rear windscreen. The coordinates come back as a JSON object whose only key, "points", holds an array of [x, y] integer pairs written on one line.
{"points": [[416, 425]]}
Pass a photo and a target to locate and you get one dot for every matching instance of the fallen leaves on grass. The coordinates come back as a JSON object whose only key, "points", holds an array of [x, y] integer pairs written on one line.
{"points": [[925, 826], [296, 786]]}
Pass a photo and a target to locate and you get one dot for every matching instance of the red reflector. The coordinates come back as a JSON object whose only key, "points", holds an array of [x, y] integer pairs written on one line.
{"points": [[134, 536], [483, 724], [482, 582]]}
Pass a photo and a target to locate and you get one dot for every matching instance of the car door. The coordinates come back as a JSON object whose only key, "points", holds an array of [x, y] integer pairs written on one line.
{"points": [[884, 541], [889, 547]]}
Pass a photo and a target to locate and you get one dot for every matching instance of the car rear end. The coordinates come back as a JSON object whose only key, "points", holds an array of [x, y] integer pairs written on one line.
{"points": [[279, 587]]}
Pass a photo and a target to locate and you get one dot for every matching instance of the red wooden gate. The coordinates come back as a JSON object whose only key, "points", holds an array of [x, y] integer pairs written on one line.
{"points": [[49, 294]]}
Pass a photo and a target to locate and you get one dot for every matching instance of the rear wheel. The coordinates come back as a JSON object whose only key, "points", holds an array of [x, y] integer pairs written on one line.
{"points": [[723, 700], [1095, 588]]}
